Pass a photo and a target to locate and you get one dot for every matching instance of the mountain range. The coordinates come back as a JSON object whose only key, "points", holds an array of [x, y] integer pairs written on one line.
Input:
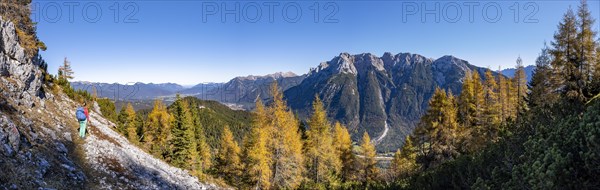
{"points": [[384, 96], [239, 92], [242, 92], [136, 91]]}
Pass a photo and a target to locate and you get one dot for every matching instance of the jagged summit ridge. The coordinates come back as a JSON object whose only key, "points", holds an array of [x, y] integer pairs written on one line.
{"points": [[359, 63], [276, 75]]}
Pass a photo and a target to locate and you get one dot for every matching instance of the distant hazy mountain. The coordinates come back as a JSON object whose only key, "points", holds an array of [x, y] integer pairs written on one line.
{"points": [[242, 92], [239, 92], [384, 96], [201, 88], [528, 72], [137, 91]]}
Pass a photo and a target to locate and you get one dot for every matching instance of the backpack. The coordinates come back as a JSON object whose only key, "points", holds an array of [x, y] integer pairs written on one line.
{"points": [[80, 114]]}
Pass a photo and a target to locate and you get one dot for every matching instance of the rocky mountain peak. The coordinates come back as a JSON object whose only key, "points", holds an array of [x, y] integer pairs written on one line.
{"points": [[450, 59], [278, 75], [448, 62], [367, 60], [345, 64], [402, 59], [350, 64], [275, 76], [387, 55], [360, 63]]}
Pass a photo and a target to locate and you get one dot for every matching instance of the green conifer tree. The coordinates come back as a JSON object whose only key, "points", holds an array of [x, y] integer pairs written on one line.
{"points": [[183, 143]]}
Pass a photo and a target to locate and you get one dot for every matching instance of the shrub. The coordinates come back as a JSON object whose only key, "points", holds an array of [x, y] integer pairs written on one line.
{"points": [[108, 109]]}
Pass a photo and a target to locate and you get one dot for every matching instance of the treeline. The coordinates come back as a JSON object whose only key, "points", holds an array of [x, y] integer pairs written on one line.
{"points": [[541, 135]]}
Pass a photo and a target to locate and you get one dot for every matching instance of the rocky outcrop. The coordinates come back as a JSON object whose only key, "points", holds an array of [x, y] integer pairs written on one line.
{"points": [[21, 75]]}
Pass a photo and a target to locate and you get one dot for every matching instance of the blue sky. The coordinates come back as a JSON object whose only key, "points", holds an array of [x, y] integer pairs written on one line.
{"points": [[187, 42]]}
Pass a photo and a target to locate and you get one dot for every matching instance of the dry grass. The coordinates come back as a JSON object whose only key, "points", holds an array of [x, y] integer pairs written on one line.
{"points": [[102, 136], [115, 166], [28, 42]]}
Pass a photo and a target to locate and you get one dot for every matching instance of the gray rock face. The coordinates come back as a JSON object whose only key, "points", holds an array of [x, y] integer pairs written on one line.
{"points": [[20, 74]]}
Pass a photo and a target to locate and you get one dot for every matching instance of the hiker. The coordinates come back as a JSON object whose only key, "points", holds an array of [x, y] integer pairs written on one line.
{"points": [[83, 116]]}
